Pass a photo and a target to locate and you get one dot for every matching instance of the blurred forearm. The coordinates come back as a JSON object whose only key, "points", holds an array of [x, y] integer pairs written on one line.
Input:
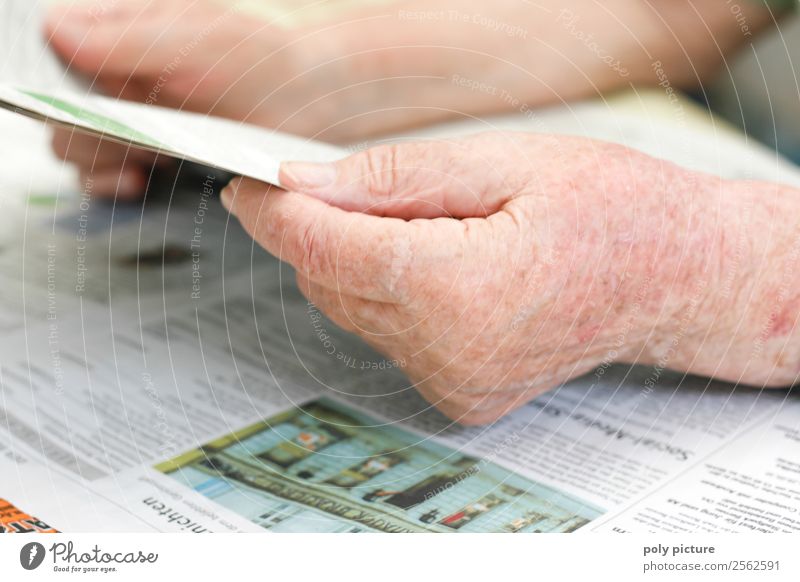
{"points": [[431, 59], [694, 39]]}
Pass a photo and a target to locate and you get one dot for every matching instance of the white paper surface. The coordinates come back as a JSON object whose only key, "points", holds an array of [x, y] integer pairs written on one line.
{"points": [[238, 148]]}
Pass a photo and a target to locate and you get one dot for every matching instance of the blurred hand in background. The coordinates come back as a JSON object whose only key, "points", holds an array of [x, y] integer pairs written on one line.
{"points": [[379, 68]]}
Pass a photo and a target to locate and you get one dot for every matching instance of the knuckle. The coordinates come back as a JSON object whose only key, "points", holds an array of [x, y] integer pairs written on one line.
{"points": [[478, 418], [411, 274], [460, 411], [379, 170], [469, 408], [311, 257], [268, 226], [399, 251]]}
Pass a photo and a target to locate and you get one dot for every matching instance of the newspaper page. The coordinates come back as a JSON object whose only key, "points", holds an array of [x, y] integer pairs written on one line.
{"points": [[750, 484]]}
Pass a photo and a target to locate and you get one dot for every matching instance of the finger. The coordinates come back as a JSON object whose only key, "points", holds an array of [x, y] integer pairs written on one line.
{"points": [[107, 169], [125, 184], [369, 319], [356, 254], [324, 299], [425, 179], [119, 37], [89, 151]]}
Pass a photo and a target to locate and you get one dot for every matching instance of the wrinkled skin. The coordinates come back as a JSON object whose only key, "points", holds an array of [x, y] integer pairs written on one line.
{"points": [[502, 265]]}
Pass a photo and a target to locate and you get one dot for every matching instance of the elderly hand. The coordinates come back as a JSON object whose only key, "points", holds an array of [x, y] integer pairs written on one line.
{"points": [[502, 265]]}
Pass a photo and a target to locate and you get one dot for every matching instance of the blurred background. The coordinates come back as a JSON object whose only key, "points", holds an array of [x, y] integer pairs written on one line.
{"points": [[760, 94]]}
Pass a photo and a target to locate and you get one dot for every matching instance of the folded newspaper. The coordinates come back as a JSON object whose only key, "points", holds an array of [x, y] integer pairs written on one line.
{"points": [[239, 148]]}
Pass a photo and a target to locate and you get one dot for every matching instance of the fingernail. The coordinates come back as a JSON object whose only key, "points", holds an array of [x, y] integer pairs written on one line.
{"points": [[307, 176], [226, 197]]}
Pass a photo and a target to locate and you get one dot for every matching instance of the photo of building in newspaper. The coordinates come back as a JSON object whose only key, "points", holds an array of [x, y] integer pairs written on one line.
{"points": [[327, 467]]}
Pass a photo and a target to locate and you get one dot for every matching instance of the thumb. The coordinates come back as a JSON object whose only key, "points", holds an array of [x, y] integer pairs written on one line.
{"points": [[425, 179]]}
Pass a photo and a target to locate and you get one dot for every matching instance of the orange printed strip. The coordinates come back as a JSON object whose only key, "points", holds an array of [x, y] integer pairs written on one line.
{"points": [[14, 520]]}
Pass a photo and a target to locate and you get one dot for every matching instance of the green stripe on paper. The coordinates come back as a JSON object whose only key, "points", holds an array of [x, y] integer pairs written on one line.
{"points": [[99, 122]]}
